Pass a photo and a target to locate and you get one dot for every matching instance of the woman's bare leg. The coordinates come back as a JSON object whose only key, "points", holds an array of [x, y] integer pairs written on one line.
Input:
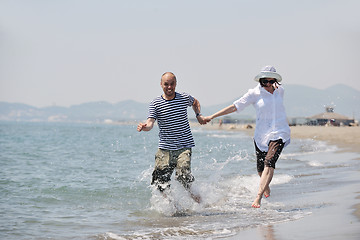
{"points": [[267, 190], [265, 180]]}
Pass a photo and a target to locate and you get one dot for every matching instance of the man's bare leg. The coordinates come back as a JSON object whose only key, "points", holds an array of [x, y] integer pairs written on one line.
{"points": [[195, 196], [265, 180]]}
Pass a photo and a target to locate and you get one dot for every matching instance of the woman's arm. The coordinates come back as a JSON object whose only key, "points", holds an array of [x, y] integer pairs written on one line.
{"points": [[225, 111]]}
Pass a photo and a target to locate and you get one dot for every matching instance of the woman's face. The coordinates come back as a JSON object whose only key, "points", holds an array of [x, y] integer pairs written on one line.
{"points": [[268, 83]]}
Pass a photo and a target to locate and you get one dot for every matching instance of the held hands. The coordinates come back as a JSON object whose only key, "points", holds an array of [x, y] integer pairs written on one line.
{"points": [[203, 120], [207, 118]]}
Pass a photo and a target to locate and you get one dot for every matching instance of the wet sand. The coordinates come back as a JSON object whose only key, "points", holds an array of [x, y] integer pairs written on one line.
{"points": [[341, 220], [334, 222]]}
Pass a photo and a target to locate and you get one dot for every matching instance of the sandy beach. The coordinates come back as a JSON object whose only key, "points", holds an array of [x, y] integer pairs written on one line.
{"points": [[346, 138], [339, 221]]}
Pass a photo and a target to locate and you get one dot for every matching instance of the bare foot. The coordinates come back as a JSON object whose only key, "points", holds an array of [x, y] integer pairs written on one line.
{"points": [[257, 202], [267, 192]]}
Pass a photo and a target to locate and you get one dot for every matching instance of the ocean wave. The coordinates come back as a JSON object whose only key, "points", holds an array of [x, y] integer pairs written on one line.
{"points": [[304, 147]]}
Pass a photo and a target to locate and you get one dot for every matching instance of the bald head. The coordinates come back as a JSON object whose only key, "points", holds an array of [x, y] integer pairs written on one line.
{"points": [[168, 84], [168, 76]]}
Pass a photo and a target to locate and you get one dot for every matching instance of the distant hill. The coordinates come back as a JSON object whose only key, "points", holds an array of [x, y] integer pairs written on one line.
{"points": [[86, 112], [300, 101]]}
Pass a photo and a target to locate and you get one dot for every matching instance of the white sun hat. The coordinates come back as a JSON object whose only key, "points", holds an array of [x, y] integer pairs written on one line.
{"points": [[268, 72]]}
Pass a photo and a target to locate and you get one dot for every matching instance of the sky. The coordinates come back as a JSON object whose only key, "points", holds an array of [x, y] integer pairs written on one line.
{"points": [[68, 52]]}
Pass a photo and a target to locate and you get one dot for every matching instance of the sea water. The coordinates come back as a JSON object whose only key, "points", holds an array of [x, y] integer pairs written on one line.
{"points": [[92, 181]]}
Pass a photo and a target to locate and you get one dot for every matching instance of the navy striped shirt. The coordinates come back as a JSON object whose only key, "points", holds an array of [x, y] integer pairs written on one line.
{"points": [[172, 118]]}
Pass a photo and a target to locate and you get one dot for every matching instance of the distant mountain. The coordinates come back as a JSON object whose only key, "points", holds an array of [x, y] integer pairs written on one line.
{"points": [[304, 101], [300, 101], [86, 112]]}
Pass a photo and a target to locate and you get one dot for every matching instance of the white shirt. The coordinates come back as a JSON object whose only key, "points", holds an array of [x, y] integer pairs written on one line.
{"points": [[271, 120]]}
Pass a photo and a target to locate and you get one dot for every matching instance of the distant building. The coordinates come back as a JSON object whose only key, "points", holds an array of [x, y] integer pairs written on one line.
{"points": [[329, 117], [295, 121]]}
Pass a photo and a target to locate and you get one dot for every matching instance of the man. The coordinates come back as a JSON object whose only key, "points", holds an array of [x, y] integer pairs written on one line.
{"points": [[175, 137]]}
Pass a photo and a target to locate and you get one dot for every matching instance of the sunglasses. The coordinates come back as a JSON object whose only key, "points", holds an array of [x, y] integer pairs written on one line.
{"points": [[265, 81]]}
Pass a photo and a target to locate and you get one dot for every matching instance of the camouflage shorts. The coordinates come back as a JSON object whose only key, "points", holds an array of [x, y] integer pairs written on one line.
{"points": [[165, 163]]}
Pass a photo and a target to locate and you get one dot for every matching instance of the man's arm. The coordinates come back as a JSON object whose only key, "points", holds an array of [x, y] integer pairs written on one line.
{"points": [[197, 109], [147, 126]]}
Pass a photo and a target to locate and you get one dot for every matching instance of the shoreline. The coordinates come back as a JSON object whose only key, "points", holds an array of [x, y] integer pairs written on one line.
{"points": [[347, 139]]}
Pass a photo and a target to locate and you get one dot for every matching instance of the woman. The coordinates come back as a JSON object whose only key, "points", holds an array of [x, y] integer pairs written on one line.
{"points": [[272, 130]]}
